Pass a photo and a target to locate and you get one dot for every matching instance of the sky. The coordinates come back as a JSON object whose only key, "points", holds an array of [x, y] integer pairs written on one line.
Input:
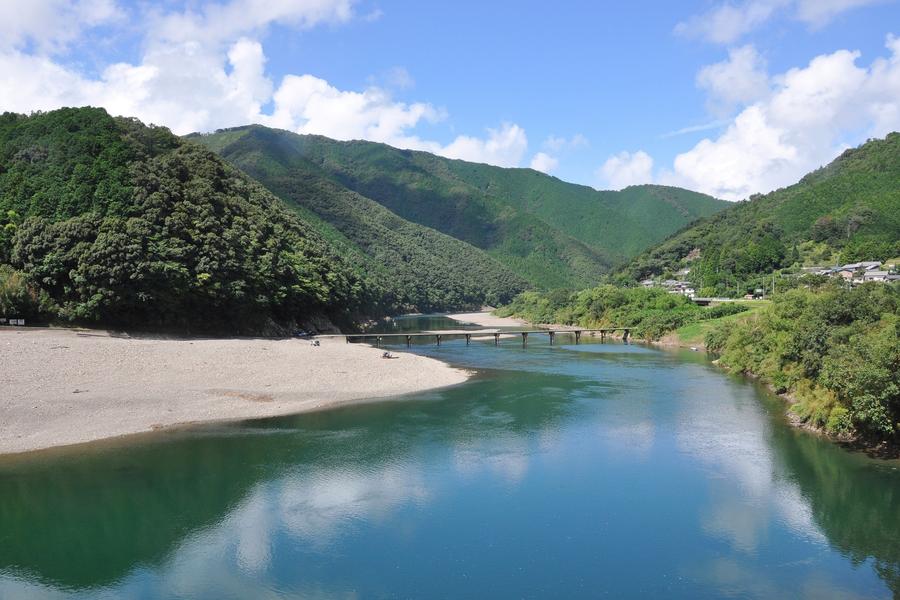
{"points": [[728, 98]]}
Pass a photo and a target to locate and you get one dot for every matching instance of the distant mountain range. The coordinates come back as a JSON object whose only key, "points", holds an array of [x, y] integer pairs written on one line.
{"points": [[847, 211], [547, 232], [105, 220]]}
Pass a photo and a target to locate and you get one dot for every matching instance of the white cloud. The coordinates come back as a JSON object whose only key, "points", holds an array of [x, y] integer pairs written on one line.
{"points": [[555, 143], [819, 13], [399, 77], [544, 162], [503, 147], [626, 168], [204, 68], [217, 22], [50, 25], [718, 123], [307, 104], [807, 118], [729, 21], [740, 80], [548, 160]]}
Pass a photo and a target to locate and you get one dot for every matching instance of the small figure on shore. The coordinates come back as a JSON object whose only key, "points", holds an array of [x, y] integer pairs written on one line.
{"points": [[388, 355]]}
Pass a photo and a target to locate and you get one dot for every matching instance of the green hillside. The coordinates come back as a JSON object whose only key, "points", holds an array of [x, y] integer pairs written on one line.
{"points": [[552, 233], [107, 221], [845, 212], [418, 267]]}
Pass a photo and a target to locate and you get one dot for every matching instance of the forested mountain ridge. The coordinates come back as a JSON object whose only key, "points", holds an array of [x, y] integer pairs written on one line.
{"points": [[552, 233], [107, 221], [846, 211], [421, 269]]}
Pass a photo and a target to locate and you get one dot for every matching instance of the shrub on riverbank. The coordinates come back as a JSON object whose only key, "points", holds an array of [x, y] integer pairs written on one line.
{"points": [[650, 312], [835, 352]]}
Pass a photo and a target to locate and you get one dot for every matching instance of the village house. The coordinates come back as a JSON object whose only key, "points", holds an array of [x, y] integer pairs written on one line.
{"points": [[875, 276]]}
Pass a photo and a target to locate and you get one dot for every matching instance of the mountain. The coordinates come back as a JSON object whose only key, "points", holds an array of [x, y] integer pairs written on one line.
{"points": [[418, 268], [106, 221], [549, 232], [847, 211]]}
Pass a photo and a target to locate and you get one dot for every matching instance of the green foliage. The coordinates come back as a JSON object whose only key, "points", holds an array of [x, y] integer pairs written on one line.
{"points": [[837, 351], [22, 299], [128, 225], [845, 212], [550, 233], [651, 312]]}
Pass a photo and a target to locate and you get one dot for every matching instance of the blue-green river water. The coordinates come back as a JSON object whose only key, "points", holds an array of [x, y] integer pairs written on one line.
{"points": [[590, 471]]}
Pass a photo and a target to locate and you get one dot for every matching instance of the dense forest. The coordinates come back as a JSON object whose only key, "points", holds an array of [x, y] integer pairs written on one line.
{"points": [[548, 232], [107, 221], [845, 212]]}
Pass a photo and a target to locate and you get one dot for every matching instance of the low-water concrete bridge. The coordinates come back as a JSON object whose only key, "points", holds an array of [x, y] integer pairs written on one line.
{"points": [[439, 336]]}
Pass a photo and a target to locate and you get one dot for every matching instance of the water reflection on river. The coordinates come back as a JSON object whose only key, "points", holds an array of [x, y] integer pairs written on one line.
{"points": [[567, 471]]}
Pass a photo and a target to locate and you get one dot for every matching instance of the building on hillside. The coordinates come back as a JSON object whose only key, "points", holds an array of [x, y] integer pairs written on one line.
{"points": [[675, 286], [875, 276], [845, 274], [867, 265]]}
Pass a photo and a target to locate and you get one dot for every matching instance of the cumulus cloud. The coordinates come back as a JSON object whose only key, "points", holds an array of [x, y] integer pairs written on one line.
{"points": [[809, 115], [205, 68], [627, 168], [503, 147], [740, 80], [544, 162], [729, 21], [308, 104]]}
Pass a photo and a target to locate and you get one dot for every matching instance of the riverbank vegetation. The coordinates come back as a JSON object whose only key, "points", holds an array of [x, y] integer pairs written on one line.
{"points": [[650, 312], [834, 352]]}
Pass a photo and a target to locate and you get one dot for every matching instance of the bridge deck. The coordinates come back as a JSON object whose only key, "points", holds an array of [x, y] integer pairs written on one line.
{"points": [[438, 336]]}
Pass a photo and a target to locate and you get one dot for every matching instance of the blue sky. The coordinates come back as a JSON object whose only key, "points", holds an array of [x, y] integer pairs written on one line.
{"points": [[590, 92]]}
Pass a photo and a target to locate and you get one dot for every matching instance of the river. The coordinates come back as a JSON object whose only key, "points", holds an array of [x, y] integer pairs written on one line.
{"points": [[598, 470]]}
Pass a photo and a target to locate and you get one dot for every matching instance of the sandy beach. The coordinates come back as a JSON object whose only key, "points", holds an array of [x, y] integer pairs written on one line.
{"points": [[486, 319], [62, 387]]}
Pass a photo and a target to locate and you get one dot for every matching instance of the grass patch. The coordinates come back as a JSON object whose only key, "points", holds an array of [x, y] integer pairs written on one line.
{"points": [[694, 334]]}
